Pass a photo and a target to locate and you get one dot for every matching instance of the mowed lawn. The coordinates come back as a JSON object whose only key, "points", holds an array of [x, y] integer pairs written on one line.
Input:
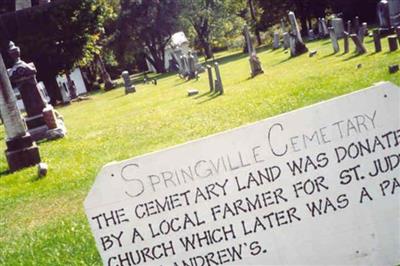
{"points": [[42, 222]]}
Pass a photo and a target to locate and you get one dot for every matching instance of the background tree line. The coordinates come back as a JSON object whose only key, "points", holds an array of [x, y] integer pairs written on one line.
{"points": [[107, 36]]}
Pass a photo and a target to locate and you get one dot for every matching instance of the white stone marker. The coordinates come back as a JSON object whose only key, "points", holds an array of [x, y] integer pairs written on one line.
{"points": [[238, 198]]}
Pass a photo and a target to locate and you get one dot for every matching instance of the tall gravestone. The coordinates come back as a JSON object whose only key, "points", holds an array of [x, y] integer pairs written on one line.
{"points": [[42, 120], [219, 87], [334, 40], [21, 150], [383, 15], [297, 46], [255, 64], [210, 78], [377, 40], [192, 73]]}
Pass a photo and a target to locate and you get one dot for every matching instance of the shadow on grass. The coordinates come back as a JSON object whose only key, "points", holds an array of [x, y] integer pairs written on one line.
{"points": [[355, 55], [211, 97], [202, 95]]}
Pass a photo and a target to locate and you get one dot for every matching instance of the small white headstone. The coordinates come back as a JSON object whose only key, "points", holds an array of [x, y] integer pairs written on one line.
{"points": [[315, 186]]}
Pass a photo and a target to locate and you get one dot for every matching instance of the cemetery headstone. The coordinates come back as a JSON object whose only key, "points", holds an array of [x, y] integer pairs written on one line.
{"points": [[276, 43], [325, 30], [283, 26], [346, 44], [383, 15], [363, 31], [356, 26], [334, 40], [255, 64], [297, 45], [338, 27], [360, 48], [377, 40], [286, 40], [398, 33], [394, 12], [129, 87], [210, 78], [21, 150], [219, 88], [304, 188], [392, 39], [42, 120], [192, 73]]}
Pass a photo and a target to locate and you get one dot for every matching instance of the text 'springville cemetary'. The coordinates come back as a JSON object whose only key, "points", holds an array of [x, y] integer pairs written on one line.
{"points": [[315, 185]]}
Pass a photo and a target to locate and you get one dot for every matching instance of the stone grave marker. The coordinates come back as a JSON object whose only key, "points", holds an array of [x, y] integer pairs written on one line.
{"points": [[286, 40], [334, 40], [392, 39], [377, 41], [276, 43], [42, 120], [383, 15], [21, 150], [210, 78], [297, 46], [129, 87], [255, 64], [218, 87], [338, 27], [315, 186], [360, 48]]}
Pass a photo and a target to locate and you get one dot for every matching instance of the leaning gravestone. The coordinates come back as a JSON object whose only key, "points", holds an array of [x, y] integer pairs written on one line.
{"points": [[297, 46], [315, 186]]}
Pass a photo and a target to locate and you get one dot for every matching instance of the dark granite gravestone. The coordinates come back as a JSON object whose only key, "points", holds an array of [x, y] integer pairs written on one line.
{"points": [[21, 150], [377, 40], [192, 73], [360, 48], [392, 39], [42, 120]]}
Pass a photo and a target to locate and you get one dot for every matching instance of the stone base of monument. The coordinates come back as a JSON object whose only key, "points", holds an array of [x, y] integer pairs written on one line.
{"points": [[22, 152], [49, 125]]}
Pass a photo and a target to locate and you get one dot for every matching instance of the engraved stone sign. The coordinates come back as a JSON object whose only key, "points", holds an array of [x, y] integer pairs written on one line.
{"points": [[316, 186]]}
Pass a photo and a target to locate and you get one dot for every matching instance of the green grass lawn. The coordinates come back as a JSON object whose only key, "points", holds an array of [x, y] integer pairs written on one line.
{"points": [[42, 222]]}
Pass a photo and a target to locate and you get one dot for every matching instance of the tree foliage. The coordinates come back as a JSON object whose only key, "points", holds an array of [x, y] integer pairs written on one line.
{"points": [[56, 37], [213, 20], [146, 27]]}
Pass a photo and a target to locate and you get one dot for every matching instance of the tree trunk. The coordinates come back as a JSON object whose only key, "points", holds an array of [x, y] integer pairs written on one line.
{"points": [[108, 83], [52, 89], [254, 18], [208, 53]]}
